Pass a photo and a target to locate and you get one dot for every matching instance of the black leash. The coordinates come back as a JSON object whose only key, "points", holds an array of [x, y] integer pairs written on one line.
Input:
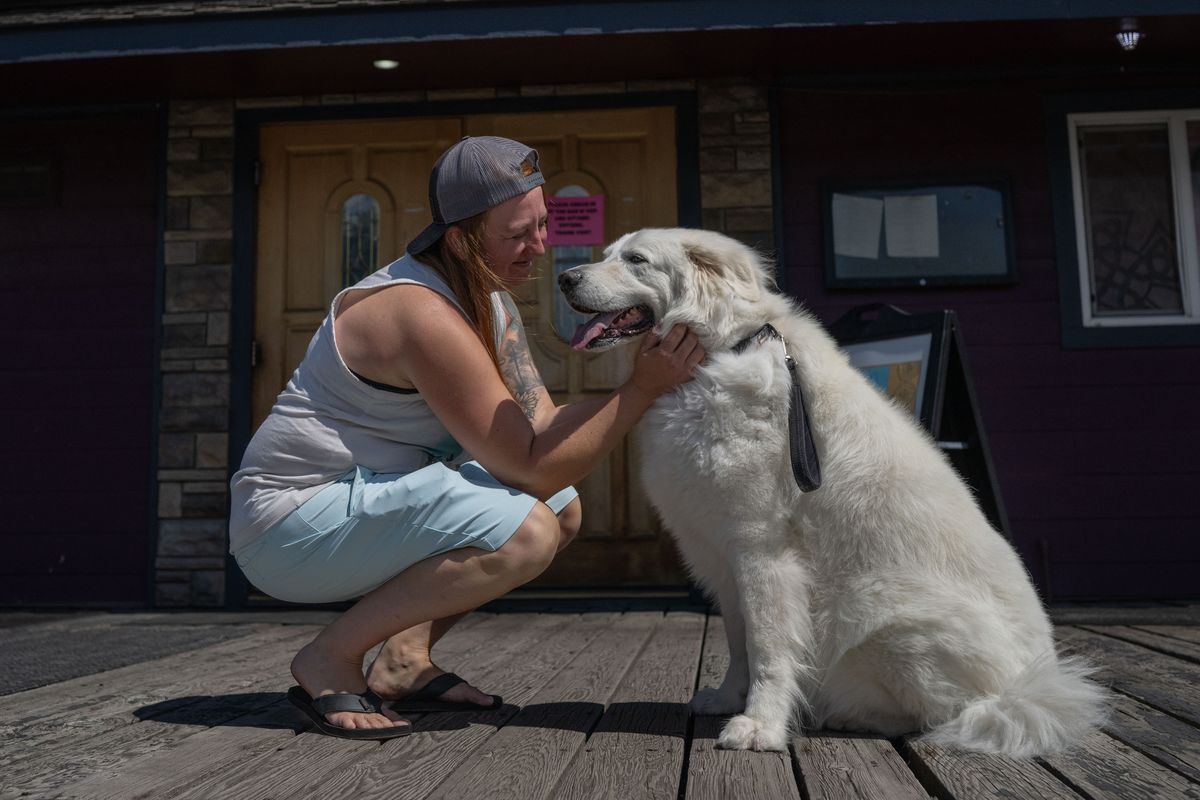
{"points": [[805, 467]]}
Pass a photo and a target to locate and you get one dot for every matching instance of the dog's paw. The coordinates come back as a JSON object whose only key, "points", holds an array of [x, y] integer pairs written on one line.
{"points": [[744, 733], [715, 703]]}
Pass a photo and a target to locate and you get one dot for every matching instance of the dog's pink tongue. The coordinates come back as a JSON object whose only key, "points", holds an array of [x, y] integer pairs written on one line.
{"points": [[592, 328]]}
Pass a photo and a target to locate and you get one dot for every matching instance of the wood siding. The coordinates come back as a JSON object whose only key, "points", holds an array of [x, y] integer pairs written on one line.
{"points": [[77, 276], [1095, 450]]}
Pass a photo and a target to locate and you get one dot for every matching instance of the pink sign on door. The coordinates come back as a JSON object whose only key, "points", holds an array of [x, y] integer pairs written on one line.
{"points": [[575, 220]]}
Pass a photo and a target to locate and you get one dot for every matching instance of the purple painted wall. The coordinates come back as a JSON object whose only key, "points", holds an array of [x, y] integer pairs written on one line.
{"points": [[1096, 451], [77, 275]]}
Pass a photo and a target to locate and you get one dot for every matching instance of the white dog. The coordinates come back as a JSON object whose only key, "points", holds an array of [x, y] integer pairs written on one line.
{"points": [[882, 601]]}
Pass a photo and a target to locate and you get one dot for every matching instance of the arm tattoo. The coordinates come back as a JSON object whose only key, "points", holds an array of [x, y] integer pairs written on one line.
{"points": [[516, 362]]}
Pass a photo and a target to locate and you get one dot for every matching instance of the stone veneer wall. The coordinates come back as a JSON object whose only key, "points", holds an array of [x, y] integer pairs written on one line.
{"points": [[193, 438], [193, 427], [736, 195]]}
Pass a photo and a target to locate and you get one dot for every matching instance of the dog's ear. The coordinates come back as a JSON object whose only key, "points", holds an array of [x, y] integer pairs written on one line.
{"points": [[704, 259], [737, 267]]}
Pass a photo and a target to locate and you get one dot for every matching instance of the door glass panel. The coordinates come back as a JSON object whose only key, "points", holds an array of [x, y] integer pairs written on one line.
{"points": [[360, 238], [1129, 215], [566, 319]]}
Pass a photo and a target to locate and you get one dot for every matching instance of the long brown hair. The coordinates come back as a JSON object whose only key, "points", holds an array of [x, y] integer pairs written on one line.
{"points": [[470, 277]]}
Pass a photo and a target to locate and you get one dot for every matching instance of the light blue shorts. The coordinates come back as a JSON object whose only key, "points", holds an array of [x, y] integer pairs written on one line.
{"points": [[368, 527]]}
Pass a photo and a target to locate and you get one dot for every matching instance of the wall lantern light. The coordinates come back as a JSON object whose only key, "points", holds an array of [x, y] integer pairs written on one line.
{"points": [[1129, 36]]}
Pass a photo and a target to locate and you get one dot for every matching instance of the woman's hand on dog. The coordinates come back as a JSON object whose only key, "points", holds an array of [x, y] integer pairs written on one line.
{"points": [[662, 364]]}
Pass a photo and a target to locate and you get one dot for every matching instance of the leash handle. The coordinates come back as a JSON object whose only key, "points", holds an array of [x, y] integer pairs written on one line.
{"points": [[806, 468]]}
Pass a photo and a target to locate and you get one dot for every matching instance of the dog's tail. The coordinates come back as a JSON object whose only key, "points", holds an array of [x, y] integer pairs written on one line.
{"points": [[1047, 707]]}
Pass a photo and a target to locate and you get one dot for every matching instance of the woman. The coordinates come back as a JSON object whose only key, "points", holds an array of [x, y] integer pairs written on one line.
{"points": [[357, 484]]}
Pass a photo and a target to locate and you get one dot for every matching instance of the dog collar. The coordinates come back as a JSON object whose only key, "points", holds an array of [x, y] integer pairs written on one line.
{"points": [[766, 332]]}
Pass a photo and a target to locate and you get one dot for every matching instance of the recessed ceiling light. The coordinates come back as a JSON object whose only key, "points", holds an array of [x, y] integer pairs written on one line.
{"points": [[386, 63]]}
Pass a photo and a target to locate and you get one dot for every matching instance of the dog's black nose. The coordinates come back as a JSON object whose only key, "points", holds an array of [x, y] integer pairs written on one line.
{"points": [[569, 280]]}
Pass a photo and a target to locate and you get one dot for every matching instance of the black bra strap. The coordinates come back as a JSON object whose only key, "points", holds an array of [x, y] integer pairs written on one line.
{"points": [[382, 386]]}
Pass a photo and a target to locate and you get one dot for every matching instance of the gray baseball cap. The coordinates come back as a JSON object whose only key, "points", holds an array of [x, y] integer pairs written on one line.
{"points": [[472, 176]]}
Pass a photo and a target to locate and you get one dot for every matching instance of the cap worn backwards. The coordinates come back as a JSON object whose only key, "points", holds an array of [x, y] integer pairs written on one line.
{"points": [[476, 174]]}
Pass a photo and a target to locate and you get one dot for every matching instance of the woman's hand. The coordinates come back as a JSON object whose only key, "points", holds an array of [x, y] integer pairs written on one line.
{"points": [[663, 364]]}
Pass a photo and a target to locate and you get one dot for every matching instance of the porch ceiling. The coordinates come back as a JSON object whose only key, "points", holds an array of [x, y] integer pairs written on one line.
{"points": [[787, 55]]}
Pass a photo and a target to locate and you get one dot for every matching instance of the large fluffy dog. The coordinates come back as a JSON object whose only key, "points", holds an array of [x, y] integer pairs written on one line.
{"points": [[883, 601]]}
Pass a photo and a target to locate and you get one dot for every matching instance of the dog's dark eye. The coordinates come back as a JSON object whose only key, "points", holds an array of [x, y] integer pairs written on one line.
{"points": [[635, 258]]}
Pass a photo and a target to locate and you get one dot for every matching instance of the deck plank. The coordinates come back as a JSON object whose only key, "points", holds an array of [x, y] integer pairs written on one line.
{"points": [[1163, 738], [1185, 632], [979, 776], [244, 692], [84, 687], [717, 774], [837, 766], [637, 748], [252, 716], [213, 722], [109, 752], [232, 693], [1106, 769], [1167, 683], [524, 759], [43, 719], [229, 752], [412, 767], [193, 758], [71, 622], [1189, 651]]}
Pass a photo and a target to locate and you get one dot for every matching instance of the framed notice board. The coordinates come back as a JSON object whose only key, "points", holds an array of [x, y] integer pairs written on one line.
{"points": [[918, 360], [918, 233]]}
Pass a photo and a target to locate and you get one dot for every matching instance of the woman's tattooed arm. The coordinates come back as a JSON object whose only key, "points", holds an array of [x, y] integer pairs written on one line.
{"points": [[516, 362]]}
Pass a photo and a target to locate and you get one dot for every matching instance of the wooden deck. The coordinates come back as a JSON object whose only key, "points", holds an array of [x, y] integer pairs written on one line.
{"points": [[595, 709]]}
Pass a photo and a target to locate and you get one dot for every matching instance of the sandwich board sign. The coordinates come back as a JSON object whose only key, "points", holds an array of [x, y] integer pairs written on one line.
{"points": [[918, 361]]}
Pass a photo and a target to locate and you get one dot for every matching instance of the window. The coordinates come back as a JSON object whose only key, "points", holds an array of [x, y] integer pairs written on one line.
{"points": [[566, 319], [360, 238], [1135, 186]]}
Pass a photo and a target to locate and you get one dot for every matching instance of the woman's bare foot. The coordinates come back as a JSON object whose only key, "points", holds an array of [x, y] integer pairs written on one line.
{"points": [[402, 668], [320, 672]]}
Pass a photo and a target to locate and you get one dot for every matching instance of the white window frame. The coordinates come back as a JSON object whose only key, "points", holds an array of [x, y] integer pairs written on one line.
{"points": [[1185, 225]]}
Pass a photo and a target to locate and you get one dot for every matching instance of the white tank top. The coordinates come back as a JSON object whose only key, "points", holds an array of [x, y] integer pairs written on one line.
{"points": [[327, 421]]}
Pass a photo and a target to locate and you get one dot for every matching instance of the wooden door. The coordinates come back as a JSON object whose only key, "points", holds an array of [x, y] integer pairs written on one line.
{"points": [[318, 182], [310, 171], [628, 156]]}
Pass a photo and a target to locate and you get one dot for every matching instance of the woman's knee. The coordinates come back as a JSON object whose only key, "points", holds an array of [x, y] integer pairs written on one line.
{"points": [[532, 547], [570, 519]]}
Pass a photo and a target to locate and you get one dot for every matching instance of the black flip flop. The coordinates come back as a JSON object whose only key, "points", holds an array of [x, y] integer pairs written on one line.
{"points": [[425, 700], [366, 703]]}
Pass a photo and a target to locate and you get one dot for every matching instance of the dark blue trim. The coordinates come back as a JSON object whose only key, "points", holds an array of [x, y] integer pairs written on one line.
{"points": [[1058, 150], [70, 112], [687, 156], [444, 21], [241, 336], [160, 281], [775, 109]]}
